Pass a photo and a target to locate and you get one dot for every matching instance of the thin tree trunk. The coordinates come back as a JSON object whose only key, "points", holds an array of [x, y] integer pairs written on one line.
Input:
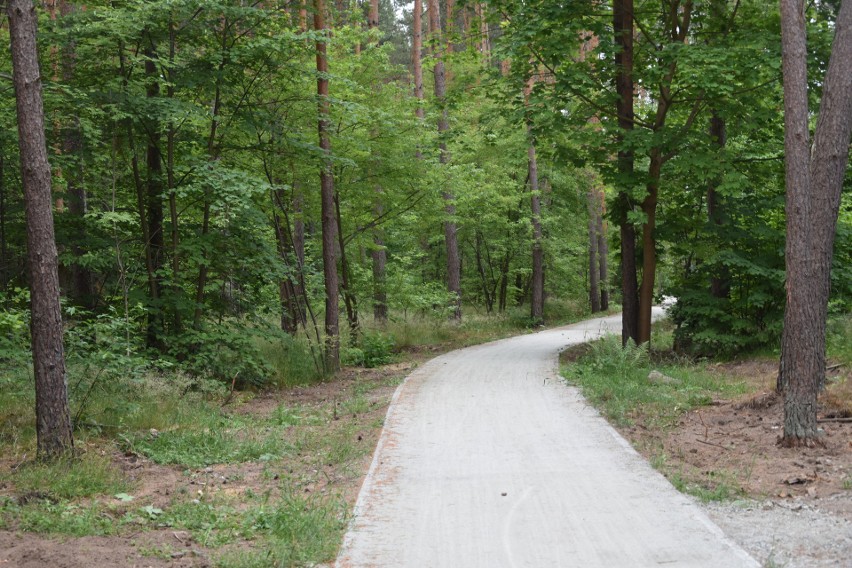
{"points": [[171, 133], [594, 290], [649, 246], [537, 303], [379, 252], [4, 279], [813, 197], [154, 199], [720, 285], [450, 230], [53, 420], [212, 155], [349, 300], [623, 29], [416, 54], [82, 287], [603, 252], [329, 223]]}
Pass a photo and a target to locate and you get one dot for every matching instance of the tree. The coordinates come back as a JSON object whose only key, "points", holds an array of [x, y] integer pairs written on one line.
{"points": [[814, 179], [622, 19], [329, 218], [450, 229], [53, 421]]}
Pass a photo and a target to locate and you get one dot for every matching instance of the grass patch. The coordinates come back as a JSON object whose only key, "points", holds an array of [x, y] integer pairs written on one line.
{"points": [[296, 531], [196, 448], [68, 478], [616, 380]]}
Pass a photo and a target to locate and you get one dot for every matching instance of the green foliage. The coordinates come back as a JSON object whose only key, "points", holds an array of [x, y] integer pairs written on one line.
{"points": [[378, 348]]}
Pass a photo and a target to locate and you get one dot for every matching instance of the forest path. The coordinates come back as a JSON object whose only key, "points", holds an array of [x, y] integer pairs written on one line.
{"points": [[488, 459]]}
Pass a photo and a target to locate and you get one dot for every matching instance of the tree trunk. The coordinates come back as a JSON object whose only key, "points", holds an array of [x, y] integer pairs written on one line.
{"points": [[603, 252], [537, 303], [329, 222], [813, 197], [649, 246], [416, 54], [349, 300], [623, 29], [720, 285], [53, 421], [450, 230], [154, 201], [373, 14], [82, 287], [594, 290], [379, 253]]}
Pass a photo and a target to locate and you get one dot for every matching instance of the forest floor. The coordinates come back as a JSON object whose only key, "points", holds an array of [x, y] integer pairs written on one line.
{"points": [[787, 507]]}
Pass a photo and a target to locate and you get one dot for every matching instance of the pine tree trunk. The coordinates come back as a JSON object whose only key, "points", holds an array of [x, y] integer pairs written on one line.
{"points": [[329, 222], [416, 55], [813, 186], [623, 29], [537, 303], [53, 421], [350, 302], [450, 230]]}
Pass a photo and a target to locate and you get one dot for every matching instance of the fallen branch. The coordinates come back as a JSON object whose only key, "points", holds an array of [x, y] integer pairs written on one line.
{"points": [[843, 419], [712, 444]]}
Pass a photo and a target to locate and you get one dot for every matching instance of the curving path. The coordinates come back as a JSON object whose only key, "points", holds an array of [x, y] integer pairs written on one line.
{"points": [[488, 459]]}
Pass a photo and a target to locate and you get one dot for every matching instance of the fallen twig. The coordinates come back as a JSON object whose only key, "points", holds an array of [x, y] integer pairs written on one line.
{"points": [[841, 419], [712, 444]]}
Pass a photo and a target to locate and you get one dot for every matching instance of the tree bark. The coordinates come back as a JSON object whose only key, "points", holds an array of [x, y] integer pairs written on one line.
{"points": [[53, 421], [82, 286], [603, 251], [814, 182], [649, 246], [594, 289], [450, 229], [720, 285], [537, 303], [154, 201], [329, 222], [416, 54], [349, 300], [623, 29]]}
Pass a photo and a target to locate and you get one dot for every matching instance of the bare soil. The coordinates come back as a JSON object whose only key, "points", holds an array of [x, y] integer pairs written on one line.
{"points": [[736, 442]]}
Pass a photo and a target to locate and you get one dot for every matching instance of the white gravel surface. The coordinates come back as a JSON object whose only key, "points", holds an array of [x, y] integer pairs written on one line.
{"points": [[488, 460], [788, 533]]}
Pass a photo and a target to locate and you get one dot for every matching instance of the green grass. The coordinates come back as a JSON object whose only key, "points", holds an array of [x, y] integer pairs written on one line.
{"points": [[616, 381], [839, 339], [295, 531], [69, 478]]}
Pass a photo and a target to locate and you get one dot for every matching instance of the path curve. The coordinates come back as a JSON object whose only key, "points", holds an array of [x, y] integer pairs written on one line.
{"points": [[487, 459]]}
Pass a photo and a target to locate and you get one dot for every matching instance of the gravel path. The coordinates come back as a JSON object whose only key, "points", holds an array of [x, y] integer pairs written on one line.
{"points": [[487, 459]]}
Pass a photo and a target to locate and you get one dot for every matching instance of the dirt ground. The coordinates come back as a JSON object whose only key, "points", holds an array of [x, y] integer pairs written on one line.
{"points": [[735, 442], [731, 442], [156, 484]]}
